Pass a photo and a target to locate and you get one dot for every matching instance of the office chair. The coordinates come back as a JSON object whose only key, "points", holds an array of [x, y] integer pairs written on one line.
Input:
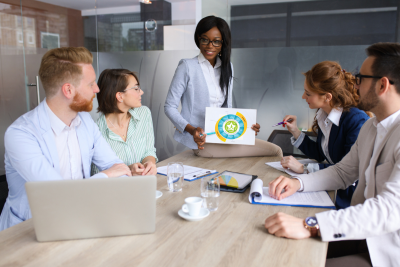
{"points": [[3, 191], [281, 138]]}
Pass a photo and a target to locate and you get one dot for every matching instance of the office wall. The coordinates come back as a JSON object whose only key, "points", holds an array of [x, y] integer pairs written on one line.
{"points": [[28, 29]]}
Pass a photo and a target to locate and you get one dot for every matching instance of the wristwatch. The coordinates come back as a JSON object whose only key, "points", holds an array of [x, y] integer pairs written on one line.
{"points": [[311, 224], [305, 168]]}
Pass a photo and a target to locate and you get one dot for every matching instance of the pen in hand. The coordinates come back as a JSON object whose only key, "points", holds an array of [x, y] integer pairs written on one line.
{"points": [[201, 135], [282, 122]]}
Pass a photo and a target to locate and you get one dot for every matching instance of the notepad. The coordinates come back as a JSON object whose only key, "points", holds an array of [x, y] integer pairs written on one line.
{"points": [[259, 195], [190, 173]]}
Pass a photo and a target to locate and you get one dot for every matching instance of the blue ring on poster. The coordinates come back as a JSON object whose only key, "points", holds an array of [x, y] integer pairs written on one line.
{"points": [[230, 117]]}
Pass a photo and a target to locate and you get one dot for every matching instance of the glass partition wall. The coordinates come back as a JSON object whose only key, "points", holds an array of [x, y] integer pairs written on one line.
{"points": [[273, 43]]}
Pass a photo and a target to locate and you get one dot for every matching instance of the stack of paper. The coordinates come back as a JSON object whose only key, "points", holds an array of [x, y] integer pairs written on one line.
{"points": [[259, 195], [190, 173]]}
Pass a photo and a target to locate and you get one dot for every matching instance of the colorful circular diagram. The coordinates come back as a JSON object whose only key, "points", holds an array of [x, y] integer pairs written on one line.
{"points": [[231, 126]]}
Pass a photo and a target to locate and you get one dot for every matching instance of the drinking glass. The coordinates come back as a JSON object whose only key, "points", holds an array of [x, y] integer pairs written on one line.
{"points": [[210, 192], [175, 176]]}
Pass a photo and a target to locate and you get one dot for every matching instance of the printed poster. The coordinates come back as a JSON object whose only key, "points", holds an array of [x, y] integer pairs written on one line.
{"points": [[230, 126]]}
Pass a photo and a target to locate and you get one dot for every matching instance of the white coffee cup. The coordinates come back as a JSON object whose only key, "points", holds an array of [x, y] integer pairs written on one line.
{"points": [[192, 206]]}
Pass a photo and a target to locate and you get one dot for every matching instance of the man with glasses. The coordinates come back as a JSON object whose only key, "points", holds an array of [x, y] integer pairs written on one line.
{"points": [[369, 230]]}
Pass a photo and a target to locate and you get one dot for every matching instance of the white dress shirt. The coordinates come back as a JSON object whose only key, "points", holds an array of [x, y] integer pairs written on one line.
{"points": [[382, 128], [212, 76], [69, 152]]}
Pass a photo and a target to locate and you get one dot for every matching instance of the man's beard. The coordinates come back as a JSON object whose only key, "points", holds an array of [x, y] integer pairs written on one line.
{"points": [[370, 100], [80, 104]]}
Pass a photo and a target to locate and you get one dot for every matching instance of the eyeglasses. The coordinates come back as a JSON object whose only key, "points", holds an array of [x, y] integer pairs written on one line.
{"points": [[137, 88], [215, 43], [360, 76]]}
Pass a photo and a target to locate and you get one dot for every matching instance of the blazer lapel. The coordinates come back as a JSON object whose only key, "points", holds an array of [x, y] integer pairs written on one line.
{"points": [[203, 81], [332, 139], [48, 136]]}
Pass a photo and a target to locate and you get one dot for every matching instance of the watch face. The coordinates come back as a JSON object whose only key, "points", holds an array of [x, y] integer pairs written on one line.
{"points": [[311, 221]]}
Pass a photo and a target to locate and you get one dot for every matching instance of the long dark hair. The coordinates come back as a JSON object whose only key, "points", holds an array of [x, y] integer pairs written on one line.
{"points": [[205, 25]]}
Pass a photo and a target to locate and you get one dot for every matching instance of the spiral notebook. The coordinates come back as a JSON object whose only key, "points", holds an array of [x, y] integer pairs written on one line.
{"points": [[319, 199]]}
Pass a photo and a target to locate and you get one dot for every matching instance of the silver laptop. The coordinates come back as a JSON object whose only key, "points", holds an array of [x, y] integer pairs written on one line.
{"points": [[88, 208]]}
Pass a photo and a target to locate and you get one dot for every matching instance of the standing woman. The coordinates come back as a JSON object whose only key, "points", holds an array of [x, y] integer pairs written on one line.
{"points": [[330, 89], [206, 81], [124, 123]]}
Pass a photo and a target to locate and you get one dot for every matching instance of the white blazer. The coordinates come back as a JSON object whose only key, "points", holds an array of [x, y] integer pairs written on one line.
{"points": [[374, 213], [31, 155]]}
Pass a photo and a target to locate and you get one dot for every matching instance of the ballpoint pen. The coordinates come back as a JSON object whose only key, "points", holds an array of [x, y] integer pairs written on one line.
{"points": [[282, 122]]}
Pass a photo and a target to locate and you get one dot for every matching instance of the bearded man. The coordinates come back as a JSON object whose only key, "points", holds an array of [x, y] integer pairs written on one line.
{"points": [[58, 140]]}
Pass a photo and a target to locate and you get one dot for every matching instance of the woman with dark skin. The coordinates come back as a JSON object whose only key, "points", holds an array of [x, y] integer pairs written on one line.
{"points": [[206, 81]]}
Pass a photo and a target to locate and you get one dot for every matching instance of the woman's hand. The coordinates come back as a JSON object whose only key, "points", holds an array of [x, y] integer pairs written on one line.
{"points": [[290, 162], [256, 127], [292, 126], [199, 140], [136, 168], [150, 168]]}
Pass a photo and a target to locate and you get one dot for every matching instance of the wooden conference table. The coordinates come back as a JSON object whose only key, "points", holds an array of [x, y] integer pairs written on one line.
{"points": [[234, 235]]}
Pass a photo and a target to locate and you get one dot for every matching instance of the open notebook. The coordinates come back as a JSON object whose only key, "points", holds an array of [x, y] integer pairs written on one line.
{"points": [[320, 199]]}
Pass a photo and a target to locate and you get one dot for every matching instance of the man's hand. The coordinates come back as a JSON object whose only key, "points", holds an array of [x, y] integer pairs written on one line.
{"points": [[150, 168], [136, 169], [256, 127], [118, 170], [290, 162], [290, 186], [283, 225]]}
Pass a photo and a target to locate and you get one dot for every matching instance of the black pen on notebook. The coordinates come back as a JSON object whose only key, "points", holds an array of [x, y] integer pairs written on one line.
{"points": [[282, 122]]}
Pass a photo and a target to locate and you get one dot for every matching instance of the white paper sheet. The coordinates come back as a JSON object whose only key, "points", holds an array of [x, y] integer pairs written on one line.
{"points": [[190, 173], [277, 165], [259, 195], [230, 125]]}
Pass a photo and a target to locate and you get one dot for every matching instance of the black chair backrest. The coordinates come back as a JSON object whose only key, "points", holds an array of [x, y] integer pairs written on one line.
{"points": [[281, 138], [3, 191]]}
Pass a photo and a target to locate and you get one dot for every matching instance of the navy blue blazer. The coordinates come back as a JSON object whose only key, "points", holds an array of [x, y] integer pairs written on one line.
{"points": [[341, 139]]}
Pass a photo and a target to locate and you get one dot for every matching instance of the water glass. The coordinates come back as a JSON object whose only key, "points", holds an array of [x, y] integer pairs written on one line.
{"points": [[210, 192], [175, 176]]}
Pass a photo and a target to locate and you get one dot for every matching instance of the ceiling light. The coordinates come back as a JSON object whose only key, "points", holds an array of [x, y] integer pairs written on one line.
{"points": [[145, 1]]}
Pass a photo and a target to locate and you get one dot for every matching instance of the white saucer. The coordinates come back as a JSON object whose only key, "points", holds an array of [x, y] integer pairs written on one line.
{"points": [[203, 213], [158, 194]]}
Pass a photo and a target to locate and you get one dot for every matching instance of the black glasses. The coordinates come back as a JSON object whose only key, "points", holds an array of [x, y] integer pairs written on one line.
{"points": [[360, 76], [215, 43]]}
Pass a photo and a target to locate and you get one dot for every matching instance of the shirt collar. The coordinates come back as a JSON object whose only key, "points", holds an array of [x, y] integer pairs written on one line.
{"points": [[388, 122], [334, 115], [134, 113], [58, 125], [202, 59]]}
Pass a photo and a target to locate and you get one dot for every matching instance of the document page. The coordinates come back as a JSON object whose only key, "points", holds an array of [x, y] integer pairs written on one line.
{"points": [[259, 195], [278, 166], [190, 173]]}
